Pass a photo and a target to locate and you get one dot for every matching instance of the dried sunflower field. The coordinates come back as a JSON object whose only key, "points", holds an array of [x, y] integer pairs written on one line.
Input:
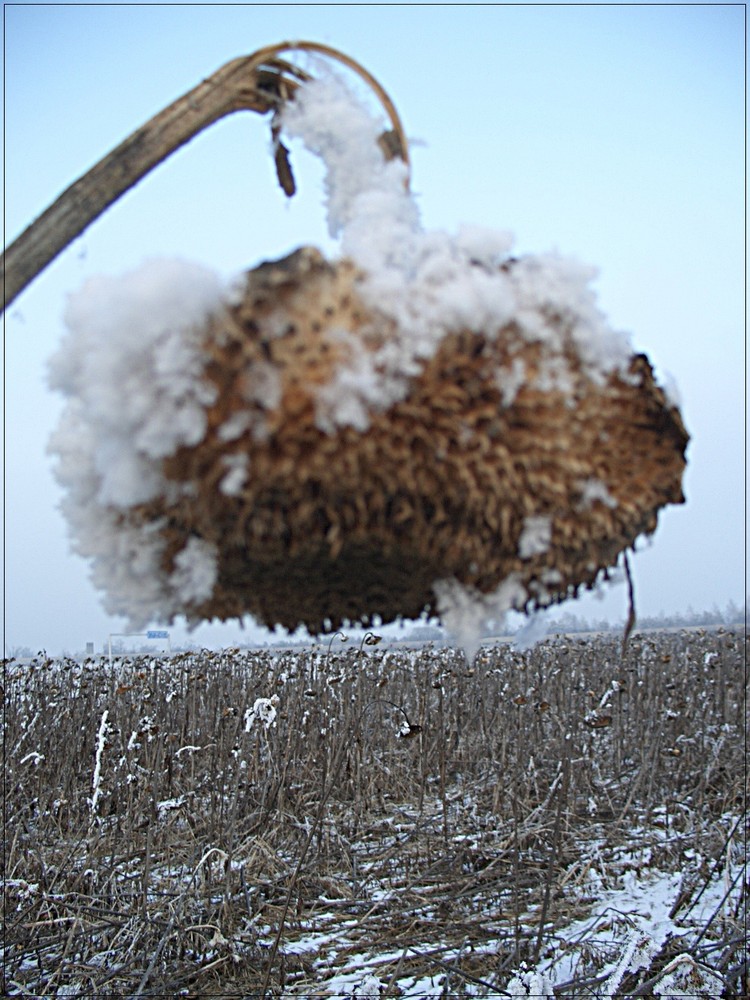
{"points": [[371, 821]]}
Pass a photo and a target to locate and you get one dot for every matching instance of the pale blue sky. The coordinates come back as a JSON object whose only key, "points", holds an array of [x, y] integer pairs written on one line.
{"points": [[611, 133]]}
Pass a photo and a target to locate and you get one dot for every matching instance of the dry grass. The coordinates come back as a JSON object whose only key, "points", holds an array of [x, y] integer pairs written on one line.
{"points": [[213, 858]]}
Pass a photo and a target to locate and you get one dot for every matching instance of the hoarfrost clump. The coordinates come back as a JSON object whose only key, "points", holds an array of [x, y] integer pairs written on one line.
{"points": [[370, 987], [531, 984], [685, 978], [195, 571], [594, 490], [536, 536], [465, 611], [169, 805], [555, 296], [131, 367], [350, 398], [359, 182], [235, 426], [236, 477], [263, 710], [429, 283], [509, 380]]}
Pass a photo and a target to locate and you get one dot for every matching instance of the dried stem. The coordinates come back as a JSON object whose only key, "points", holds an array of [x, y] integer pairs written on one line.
{"points": [[260, 82], [630, 623]]}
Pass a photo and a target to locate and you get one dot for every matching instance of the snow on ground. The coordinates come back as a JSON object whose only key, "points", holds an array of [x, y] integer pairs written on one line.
{"points": [[630, 910]]}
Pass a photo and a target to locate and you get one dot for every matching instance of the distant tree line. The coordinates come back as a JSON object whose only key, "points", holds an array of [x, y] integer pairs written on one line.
{"points": [[733, 614]]}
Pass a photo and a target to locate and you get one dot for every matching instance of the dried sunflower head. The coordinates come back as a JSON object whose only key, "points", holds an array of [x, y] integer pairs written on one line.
{"points": [[425, 418], [456, 480]]}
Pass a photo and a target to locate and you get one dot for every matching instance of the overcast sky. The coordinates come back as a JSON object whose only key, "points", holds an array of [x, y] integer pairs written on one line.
{"points": [[612, 133]]}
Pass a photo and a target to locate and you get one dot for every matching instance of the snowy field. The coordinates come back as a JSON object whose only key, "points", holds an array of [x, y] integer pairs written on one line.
{"points": [[563, 821]]}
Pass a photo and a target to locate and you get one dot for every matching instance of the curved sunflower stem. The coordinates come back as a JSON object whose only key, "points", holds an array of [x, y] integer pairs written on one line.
{"points": [[260, 82]]}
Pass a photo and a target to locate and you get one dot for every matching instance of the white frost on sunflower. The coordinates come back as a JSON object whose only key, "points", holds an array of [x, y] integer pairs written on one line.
{"points": [[429, 283], [195, 571], [131, 367], [237, 467], [536, 536], [349, 399], [510, 379], [235, 426], [593, 491], [132, 362], [465, 611], [264, 711]]}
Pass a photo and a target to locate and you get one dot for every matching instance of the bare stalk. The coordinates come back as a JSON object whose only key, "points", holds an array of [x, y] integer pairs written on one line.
{"points": [[236, 86], [556, 849], [260, 82]]}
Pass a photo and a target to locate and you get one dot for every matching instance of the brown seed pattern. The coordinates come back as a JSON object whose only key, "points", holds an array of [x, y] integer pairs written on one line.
{"points": [[329, 527]]}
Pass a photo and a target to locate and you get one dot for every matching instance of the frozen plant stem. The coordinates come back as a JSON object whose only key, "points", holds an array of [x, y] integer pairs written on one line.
{"points": [[441, 751], [344, 638], [236, 86], [630, 623], [555, 852], [96, 783], [260, 82]]}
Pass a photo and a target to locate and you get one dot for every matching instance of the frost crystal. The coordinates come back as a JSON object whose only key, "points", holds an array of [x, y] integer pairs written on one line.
{"points": [[465, 611], [593, 490], [131, 367], [431, 283], [535, 537], [531, 984], [263, 710]]}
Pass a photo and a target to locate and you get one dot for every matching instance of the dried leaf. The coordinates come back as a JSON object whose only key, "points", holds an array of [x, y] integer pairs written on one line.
{"points": [[598, 721], [390, 145], [284, 170]]}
